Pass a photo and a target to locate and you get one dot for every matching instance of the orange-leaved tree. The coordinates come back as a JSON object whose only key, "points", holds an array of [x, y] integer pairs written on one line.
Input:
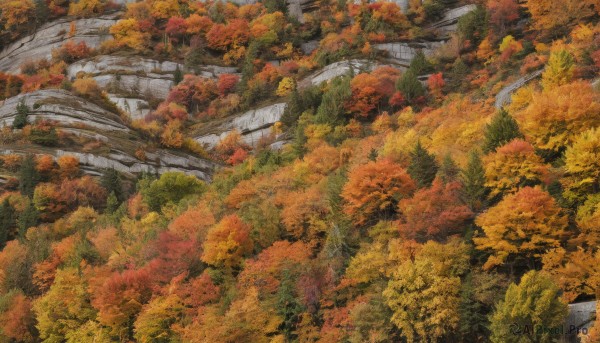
{"points": [[434, 213], [374, 189], [521, 228]]}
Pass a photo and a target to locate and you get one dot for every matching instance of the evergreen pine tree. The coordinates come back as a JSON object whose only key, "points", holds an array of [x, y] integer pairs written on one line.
{"points": [[28, 176], [28, 218], [473, 321], [332, 109], [288, 306], [293, 109], [423, 166], [501, 130], [410, 86], [21, 117], [112, 203], [177, 76], [448, 171], [459, 71], [473, 180], [420, 65], [7, 221], [111, 181]]}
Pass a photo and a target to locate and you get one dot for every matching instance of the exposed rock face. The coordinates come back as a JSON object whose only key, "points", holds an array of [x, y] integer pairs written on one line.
{"points": [[107, 64], [136, 108], [160, 162], [503, 97], [63, 107], [336, 69], [252, 124], [131, 81], [580, 319], [92, 31], [403, 53], [449, 23]]}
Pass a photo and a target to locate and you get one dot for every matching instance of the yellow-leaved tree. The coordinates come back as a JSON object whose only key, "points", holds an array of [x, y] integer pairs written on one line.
{"points": [[424, 292], [521, 228], [582, 166], [559, 70], [512, 166], [555, 117]]}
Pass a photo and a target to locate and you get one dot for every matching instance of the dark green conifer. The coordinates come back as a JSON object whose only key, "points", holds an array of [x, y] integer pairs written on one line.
{"points": [[420, 65], [288, 306], [423, 166], [28, 176], [28, 218], [449, 171], [501, 130], [410, 86], [473, 180], [21, 117], [111, 181], [7, 221]]}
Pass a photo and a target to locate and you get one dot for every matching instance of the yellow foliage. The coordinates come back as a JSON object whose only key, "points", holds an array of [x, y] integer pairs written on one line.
{"points": [[286, 86], [555, 117], [582, 166], [559, 70]]}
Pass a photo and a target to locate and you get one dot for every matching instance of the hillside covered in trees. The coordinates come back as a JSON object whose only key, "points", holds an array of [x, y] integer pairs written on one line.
{"points": [[299, 170]]}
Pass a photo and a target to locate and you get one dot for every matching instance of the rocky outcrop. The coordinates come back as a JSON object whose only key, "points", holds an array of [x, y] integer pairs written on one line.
{"points": [[131, 81], [580, 320], [449, 23], [107, 64], [63, 107], [336, 69], [135, 107], [252, 124], [403, 53], [503, 97], [92, 31], [158, 162]]}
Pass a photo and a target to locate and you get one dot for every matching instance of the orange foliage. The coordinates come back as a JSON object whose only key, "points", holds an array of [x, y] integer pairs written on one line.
{"points": [[265, 270], [46, 270], [119, 298], [193, 223], [44, 164], [436, 83], [230, 36], [18, 321], [68, 166], [226, 83], [433, 213], [523, 225], [303, 213], [374, 190]]}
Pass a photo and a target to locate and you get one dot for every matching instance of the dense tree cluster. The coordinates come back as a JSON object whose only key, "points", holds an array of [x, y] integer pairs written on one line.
{"points": [[405, 207]]}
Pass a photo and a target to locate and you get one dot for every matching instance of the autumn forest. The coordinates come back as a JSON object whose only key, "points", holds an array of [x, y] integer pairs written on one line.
{"points": [[299, 171]]}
